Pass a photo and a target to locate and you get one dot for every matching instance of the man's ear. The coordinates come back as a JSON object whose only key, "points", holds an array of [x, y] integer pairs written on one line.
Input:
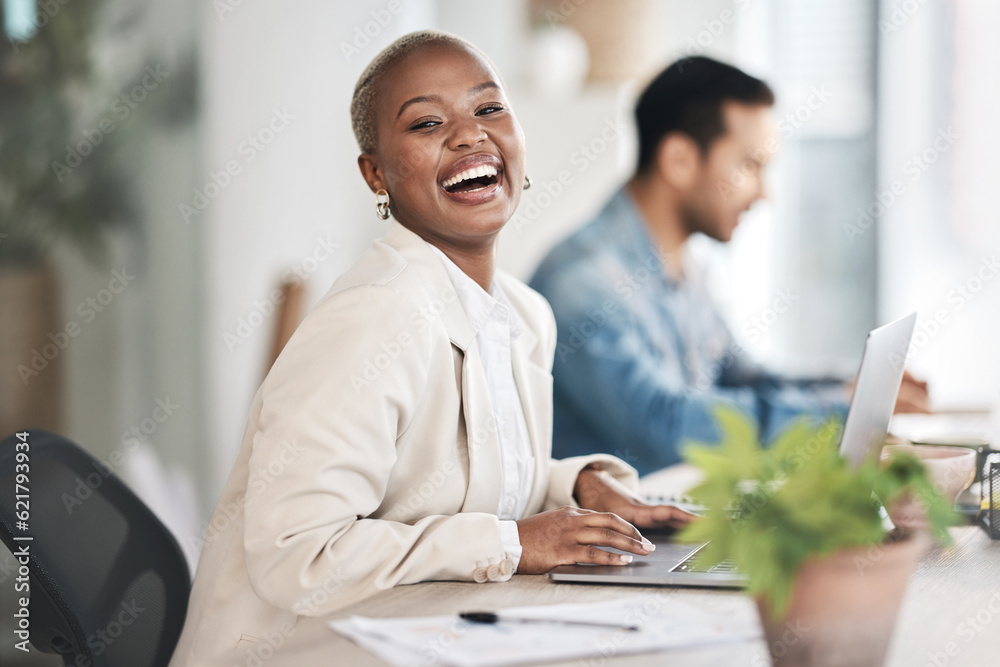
{"points": [[679, 160], [371, 171]]}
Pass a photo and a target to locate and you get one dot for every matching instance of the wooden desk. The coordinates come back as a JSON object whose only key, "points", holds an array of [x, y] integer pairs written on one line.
{"points": [[953, 592]]}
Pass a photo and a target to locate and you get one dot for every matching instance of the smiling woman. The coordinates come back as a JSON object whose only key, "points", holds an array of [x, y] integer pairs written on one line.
{"points": [[404, 433], [438, 134]]}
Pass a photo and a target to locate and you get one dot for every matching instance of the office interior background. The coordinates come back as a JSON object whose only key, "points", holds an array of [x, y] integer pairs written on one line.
{"points": [[231, 120]]}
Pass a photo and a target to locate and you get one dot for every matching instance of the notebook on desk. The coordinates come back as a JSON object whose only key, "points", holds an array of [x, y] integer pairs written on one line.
{"points": [[865, 430]]}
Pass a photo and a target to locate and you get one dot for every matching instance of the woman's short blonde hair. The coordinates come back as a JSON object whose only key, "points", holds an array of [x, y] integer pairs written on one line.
{"points": [[366, 90]]}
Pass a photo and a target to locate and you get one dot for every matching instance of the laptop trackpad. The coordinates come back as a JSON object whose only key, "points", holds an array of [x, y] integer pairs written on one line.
{"points": [[668, 554]]}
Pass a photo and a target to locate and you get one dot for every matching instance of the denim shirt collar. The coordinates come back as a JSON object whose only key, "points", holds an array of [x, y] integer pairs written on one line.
{"points": [[638, 247]]}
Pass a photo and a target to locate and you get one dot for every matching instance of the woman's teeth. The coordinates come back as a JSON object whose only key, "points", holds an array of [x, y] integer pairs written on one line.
{"points": [[484, 170]]}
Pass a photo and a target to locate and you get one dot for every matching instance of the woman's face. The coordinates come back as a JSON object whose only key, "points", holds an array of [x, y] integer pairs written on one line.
{"points": [[450, 151]]}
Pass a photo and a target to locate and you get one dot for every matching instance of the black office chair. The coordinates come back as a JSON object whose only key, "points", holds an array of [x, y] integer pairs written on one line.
{"points": [[109, 583]]}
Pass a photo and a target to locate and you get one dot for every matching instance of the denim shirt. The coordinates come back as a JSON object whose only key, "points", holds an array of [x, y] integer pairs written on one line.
{"points": [[643, 359]]}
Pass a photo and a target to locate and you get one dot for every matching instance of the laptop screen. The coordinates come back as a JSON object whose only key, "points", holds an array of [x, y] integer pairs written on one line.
{"points": [[875, 390]]}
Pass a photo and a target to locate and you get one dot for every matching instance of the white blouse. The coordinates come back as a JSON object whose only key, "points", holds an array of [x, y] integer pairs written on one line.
{"points": [[496, 325]]}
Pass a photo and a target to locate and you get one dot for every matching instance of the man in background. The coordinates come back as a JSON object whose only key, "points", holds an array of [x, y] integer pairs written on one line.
{"points": [[643, 355]]}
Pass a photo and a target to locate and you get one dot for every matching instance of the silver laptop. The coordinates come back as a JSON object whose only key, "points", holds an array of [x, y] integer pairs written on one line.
{"points": [[867, 424]]}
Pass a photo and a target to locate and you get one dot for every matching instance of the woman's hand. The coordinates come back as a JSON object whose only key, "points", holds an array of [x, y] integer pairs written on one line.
{"points": [[597, 490], [569, 535]]}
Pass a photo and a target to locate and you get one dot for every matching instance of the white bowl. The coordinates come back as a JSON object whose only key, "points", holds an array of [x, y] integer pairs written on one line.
{"points": [[950, 469]]}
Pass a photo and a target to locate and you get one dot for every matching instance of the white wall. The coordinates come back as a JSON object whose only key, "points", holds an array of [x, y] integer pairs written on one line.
{"points": [[302, 187], [935, 236]]}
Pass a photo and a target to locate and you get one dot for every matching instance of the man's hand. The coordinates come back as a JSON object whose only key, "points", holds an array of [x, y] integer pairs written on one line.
{"points": [[597, 490], [913, 396], [569, 535]]}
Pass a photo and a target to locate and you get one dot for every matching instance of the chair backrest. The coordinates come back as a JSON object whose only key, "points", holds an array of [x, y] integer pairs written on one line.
{"points": [[109, 583]]}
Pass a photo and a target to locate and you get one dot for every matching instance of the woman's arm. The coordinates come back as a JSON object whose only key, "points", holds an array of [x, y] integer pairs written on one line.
{"points": [[323, 453], [589, 512]]}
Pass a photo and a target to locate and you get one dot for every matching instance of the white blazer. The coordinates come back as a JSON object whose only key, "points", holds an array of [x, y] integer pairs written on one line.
{"points": [[371, 459]]}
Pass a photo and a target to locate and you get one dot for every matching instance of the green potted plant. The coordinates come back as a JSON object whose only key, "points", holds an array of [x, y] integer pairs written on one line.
{"points": [[65, 177], [807, 530]]}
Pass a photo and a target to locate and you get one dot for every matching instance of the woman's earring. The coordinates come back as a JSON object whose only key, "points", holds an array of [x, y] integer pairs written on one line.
{"points": [[382, 204], [527, 182]]}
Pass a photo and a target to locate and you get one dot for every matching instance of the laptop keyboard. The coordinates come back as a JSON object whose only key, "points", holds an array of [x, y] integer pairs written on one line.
{"points": [[696, 564]]}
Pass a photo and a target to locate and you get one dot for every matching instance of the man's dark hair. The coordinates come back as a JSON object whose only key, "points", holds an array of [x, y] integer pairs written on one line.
{"points": [[687, 97]]}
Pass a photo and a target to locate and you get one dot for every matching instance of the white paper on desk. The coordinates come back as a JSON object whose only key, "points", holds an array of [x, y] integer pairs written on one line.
{"points": [[448, 640], [947, 426]]}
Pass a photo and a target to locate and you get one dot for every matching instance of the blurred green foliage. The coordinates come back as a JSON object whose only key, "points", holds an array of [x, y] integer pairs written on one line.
{"points": [[771, 508], [48, 93]]}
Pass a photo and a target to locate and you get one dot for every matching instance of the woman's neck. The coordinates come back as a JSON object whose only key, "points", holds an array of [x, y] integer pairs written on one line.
{"points": [[477, 263]]}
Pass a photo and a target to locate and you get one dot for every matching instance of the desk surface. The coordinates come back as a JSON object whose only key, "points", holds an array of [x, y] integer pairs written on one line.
{"points": [[952, 604]]}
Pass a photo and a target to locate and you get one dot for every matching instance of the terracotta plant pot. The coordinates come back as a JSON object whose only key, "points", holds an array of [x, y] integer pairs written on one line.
{"points": [[843, 607], [31, 383]]}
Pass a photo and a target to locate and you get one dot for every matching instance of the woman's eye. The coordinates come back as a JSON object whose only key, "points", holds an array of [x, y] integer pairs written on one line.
{"points": [[424, 124], [491, 108]]}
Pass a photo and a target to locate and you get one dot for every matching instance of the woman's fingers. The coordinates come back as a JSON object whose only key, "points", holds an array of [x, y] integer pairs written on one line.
{"points": [[609, 537], [612, 521], [657, 516], [594, 556]]}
